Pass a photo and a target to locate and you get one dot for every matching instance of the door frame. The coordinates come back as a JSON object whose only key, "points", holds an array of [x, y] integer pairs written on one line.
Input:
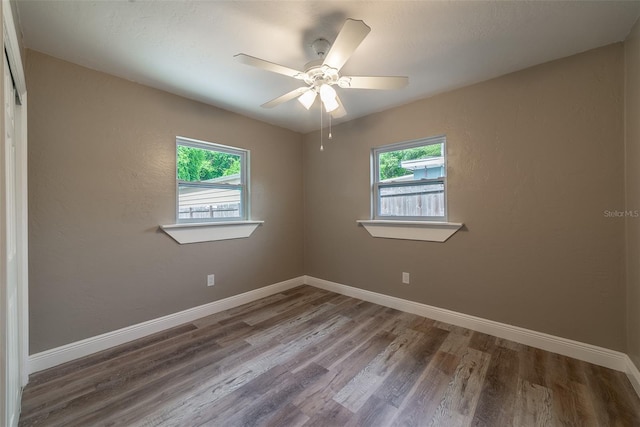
{"points": [[14, 58], [13, 52]]}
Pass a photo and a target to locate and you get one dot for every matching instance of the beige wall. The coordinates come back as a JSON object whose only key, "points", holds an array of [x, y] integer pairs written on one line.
{"points": [[101, 180], [632, 158], [534, 160]]}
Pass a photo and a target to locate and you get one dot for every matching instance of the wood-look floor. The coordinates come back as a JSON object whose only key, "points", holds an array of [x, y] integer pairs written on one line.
{"points": [[308, 357]]}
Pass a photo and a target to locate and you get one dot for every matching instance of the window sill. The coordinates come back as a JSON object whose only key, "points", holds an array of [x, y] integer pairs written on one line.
{"points": [[197, 232], [411, 230]]}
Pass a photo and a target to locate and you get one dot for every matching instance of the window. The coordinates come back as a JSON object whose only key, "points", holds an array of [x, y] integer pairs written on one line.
{"points": [[212, 182], [409, 180]]}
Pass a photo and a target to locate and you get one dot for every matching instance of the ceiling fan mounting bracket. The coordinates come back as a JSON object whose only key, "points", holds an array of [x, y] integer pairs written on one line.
{"points": [[321, 47]]}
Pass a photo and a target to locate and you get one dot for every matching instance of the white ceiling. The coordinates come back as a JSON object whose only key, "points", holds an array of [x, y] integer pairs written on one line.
{"points": [[187, 47]]}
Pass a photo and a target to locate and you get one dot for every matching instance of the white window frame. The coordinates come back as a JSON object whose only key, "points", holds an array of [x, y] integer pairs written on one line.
{"points": [[376, 184], [243, 186]]}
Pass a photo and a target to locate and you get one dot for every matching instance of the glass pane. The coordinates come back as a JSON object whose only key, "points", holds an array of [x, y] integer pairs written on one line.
{"points": [[203, 202], [410, 164], [199, 164], [412, 200]]}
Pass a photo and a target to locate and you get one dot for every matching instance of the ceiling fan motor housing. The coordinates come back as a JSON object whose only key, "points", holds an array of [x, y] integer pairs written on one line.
{"points": [[317, 74]]}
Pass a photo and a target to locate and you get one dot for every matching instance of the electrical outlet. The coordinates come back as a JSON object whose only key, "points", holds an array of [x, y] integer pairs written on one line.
{"points": [[405, 278], [211, 279]]}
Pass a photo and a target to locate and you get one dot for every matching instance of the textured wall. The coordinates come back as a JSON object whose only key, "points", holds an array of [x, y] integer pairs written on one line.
{"points": [[534, 160], [632, 140], [101, 180]]}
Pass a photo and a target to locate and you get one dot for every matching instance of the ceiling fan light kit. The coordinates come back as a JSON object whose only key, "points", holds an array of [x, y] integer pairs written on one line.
{"points": [[308, 98], [322, 74], [328, 96]]}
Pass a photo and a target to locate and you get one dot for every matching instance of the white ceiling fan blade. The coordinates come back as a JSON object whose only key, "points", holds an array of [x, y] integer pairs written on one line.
{"points": [[349, 38], [269, 66], [340, 111], [373, 82], [286, 97]]}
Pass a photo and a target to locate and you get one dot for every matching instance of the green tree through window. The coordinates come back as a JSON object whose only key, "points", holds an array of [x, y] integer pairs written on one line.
{"points": [[409, 180], [390, 162], [211, 181], [196, 164]]}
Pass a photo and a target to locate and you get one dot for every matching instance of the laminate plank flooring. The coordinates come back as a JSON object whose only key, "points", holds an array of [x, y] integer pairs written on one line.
{"points": [[309, 357]]}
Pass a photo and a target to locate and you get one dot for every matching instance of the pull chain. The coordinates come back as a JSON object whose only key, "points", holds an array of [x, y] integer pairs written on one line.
{"points": [[321, 146], [330, 126]]}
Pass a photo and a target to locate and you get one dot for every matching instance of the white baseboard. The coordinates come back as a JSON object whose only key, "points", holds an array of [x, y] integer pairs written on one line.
{"points": [[56, 356], [578, 350], [633, 374]]}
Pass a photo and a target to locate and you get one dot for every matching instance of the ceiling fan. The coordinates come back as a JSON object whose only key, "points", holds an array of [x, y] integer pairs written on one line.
{"points": [[322, 74]]}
